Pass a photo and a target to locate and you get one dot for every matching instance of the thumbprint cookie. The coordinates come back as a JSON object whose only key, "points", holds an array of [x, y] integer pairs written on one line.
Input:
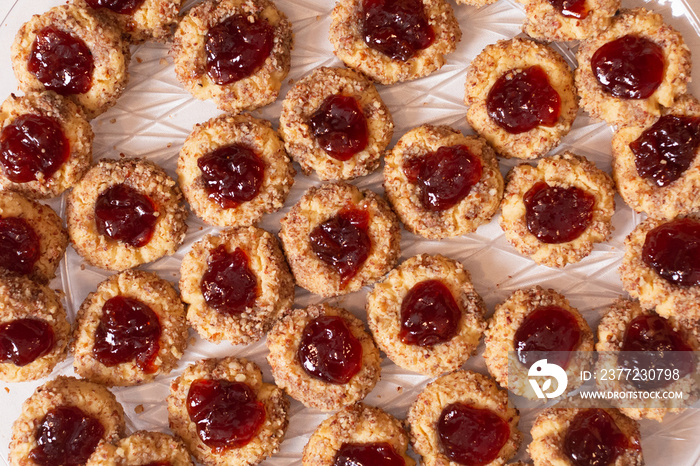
{"points": [[142, 448], [563, 20]]}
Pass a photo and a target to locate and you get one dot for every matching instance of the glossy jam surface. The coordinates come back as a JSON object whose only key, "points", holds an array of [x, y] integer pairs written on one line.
{"points": [[125, 215], [340, 127], [555, 214], [630, 67], [66, 436], [32, 145], [522, 100], [471, 436], [159, 463], [445, 176], [546, 329], [228, 284], [673, 251], [232, 175], [429, 314], [329, 351], [396, 28], [665, 151], [236, 48], [61, 62], [227, 414], [124, 7], [368, 454], [593, 439], [571, 8], [23, 341], [20, 246]]}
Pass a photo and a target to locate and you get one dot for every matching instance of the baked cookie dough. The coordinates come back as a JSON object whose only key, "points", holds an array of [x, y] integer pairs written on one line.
{"points": [[124, 213], [459, 411], [637, 91], [236, 285], [323, 357], [355, 427], [74, 53], [219, 391], [45, 144], [557, 211], [557, 20], [426, 315], [442, 183], [64, 420], [434, 33], [338, 239], [335, 123], [148, 448], [521, 97], [234, 52], [233, 170]]}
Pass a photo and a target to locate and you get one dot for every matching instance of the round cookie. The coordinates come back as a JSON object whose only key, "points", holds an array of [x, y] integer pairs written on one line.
{"points": [[521, 97], [236, 285], [335, 123], [455, 401], [45, 144], [142, 216], [626, 106], [130, 330], [357, 425], [34, 331], [62, 408], [542, 313], [305, 348], [425, 291], [149, 448], [582, 19], [338, 239], [233, 170], [96, 82], [544, 209], [210, 24], [425, 176], [242, 380], [416, 57]]}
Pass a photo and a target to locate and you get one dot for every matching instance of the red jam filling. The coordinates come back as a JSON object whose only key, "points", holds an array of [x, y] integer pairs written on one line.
{"points": [[673, 251], [61, 62], [232, 175], [159, 463], [429, 314], [521, 100], [396, 28], [665, 151], [236, 48], [557, 215], [23, 341], [571, 8], [32, 145], [471, 436], [20, 246], [547, 329], [227, 414], [125, 215], [228, 285], [67, 436], [124, 7], [340, 127], [368, 454], [630, 67], [128, 331], [329, 351], [445, 176], [593, 439]]}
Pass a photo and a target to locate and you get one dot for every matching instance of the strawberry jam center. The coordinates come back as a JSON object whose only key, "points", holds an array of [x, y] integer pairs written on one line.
{"points": [[368, 454], [340, 127], [593, 439], [32, 145], [673, 251], [445, 176], [228, 285], [630, 67], [521, 100], [124, 7], [23, 341], [429, 314], [571, 8], [159, 463], [20, 246], [547, 329], [396, 28], [232, 175], [125, 215]]}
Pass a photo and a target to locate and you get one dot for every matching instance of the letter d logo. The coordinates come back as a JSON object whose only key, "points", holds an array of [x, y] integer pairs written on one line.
{"points": [[544, 369]]}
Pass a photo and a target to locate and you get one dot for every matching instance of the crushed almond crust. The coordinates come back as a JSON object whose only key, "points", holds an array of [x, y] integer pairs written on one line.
{"points": [[141, 448], [271, 434], [275, 286], [513, 55], [306, 97], [252, 133], [634, 112], [565, 171], [544, 22], [143, 176], [283, 342], [76, 129], [476, 390], [466, 216], [254, 91], [384, 315]]}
